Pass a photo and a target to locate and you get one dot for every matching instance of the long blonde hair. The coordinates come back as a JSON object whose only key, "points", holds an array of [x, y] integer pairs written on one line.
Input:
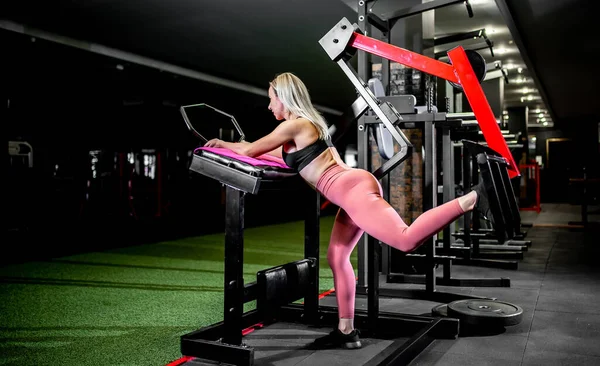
{"points": [[294, 96]]}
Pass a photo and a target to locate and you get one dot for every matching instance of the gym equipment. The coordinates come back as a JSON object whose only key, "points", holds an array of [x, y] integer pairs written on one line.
{"points": [[105, 186], [486, 312], [477, 63], [471, 250], [128, 183], [477, 33], [338, 44], [195, 111], [481, 313], [144, 182], [503, 204], [470, 174], [212, 341], [586, 185], [345, 38], [401, 337], [394, 16], [416, 260], [532, 177], [19, 202], [20, 153]]}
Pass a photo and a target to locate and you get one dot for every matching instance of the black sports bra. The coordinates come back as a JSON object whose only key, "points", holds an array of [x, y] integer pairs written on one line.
{"points": [[297, 160]]}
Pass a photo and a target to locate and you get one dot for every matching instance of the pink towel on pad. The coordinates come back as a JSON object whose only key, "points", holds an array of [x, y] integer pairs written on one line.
{"points": [[262, 160]]}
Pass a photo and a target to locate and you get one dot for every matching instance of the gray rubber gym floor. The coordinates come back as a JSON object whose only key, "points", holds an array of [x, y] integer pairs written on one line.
{"points": [[557, 284]]}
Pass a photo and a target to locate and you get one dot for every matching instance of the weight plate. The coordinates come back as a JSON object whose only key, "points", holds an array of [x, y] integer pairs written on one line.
{"points": [[477, 63], [482, 312]]}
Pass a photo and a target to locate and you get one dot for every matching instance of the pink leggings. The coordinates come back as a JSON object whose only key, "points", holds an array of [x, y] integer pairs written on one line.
{"points": [[362, 209]]}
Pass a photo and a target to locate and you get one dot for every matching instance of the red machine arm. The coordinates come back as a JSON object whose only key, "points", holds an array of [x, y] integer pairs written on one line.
{"points": [[481, 108], [404, 56], [459, 72]]}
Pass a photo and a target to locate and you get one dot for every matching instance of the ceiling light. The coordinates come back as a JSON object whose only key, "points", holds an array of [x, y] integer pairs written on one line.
{"points": [[520, 70], [541, 114], [537, 110], [545, 123]]}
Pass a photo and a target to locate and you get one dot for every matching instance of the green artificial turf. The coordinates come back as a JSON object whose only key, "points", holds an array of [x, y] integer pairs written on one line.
{"points": [[129, 306]]}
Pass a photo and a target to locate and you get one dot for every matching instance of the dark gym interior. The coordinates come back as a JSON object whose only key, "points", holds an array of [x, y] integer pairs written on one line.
{"points": [[100, 163]]}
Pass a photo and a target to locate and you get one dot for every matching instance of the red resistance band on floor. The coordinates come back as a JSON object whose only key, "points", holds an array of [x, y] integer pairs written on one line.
{"points": [[180, 361]]}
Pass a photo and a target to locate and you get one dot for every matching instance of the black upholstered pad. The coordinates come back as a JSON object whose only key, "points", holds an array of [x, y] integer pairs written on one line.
{"points": [[240, 174], [265, 171]]}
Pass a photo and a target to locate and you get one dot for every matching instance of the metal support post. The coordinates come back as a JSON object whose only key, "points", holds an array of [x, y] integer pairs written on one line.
{"points": [[448, 190], [429, 197], [311, 251], [364, 155], [234, 266]]}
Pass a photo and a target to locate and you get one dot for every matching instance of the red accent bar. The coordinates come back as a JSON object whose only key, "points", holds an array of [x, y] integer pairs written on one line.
{"points": [[481, 108], [404, 56], [251, 329], [180, 361], [532, 170], [459, 72], [326, 293]]}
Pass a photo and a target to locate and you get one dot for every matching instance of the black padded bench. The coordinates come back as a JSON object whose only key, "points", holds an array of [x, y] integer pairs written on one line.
{"points": [[239, 174]]}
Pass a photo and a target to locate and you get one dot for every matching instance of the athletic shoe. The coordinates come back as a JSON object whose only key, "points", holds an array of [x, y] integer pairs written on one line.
{"points": [[338, 339]]}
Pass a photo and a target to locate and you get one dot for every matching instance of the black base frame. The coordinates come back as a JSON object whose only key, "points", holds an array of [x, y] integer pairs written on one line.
{"points": [[206, 343]]}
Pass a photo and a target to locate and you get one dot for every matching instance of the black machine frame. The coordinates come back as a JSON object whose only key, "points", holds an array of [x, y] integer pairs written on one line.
{"points": [[434, 255], [430, 123], [471, 252], [486, 247]]}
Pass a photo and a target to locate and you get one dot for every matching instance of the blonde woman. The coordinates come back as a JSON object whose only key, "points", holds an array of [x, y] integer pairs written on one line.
{"points": [[301, 139]]}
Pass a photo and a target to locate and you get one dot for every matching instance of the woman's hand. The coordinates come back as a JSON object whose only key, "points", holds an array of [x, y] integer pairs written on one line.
{"points": [[214, 143]]}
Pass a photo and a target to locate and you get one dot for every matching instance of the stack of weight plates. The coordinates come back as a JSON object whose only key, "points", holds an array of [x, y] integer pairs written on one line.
{"points": [[481, 312]]}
